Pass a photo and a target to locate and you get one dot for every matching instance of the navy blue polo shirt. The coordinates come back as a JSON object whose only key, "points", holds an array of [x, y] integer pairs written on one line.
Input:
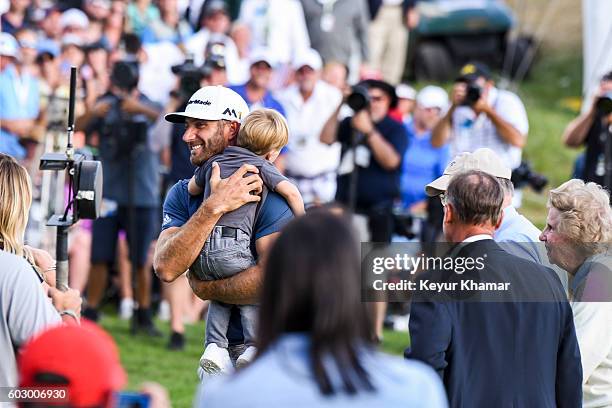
{"points": [[274, 214]]}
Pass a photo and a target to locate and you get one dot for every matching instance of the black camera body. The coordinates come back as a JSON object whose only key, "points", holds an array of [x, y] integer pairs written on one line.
{"points": [[524, 175], [604, 104], [359, 98], [473, 92], [190, 77]]}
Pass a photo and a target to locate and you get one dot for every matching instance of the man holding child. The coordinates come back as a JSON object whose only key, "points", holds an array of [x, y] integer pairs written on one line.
{"points": [[193, 224]]}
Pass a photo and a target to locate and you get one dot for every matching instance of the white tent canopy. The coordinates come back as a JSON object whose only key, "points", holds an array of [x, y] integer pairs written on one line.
{"points": [[597, 44]]}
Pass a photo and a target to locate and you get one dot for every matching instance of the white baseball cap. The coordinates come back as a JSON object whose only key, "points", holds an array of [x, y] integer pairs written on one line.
{"points": [[74, 18], [262, 54], [308, 58], [405, 91], [432, 97], [482, 159], [8, 45], [212, 103]]}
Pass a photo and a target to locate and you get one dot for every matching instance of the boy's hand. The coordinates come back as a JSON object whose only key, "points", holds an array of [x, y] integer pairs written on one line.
{"points": [[235, 191]]}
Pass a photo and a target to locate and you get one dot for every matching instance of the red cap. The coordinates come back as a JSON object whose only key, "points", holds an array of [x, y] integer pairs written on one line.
{"points": [[85, 355]]}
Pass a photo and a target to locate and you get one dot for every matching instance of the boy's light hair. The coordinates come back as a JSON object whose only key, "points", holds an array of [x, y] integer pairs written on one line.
{"points": [[262, 131]]}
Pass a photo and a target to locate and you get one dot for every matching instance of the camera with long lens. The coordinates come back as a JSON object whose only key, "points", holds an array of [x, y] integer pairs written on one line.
{"points": [[190, 77], [524, 175], [359, 98], [604, 104], [473, 92], [84, 189]]}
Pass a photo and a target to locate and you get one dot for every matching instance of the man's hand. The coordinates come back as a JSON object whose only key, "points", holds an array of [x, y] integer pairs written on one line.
{"points": [[100, 109], [68, 300], [482, 104], [362, 122], [234, 191], [45, 262], [131, 105]]}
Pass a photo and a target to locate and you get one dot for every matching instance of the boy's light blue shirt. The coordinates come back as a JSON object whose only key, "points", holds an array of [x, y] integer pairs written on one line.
{"points": [[282, 377]]}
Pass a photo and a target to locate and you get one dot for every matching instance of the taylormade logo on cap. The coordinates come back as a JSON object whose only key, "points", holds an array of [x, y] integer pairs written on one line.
{"points": [[212, 103]]}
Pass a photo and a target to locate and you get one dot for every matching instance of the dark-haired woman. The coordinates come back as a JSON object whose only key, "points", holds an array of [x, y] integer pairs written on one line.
{"points": [[314, 340]]}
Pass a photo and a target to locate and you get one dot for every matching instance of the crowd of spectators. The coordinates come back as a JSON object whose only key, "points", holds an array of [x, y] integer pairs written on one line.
{"points": [[359, 137]]}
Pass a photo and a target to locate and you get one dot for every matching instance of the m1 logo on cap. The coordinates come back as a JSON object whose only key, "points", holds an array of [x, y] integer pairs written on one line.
{"points": [[232, 112]]}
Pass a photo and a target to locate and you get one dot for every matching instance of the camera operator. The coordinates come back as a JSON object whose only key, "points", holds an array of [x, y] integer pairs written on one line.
{"points": [[122, 119], [483, 116], [593, 130]]}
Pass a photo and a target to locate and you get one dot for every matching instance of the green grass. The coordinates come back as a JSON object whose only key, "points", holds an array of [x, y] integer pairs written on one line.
{"points": [[147, 359], [555, 80]]}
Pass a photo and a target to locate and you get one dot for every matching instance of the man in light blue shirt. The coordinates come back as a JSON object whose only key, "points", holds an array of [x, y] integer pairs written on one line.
{"points": [[520, 236], [19, 99]]}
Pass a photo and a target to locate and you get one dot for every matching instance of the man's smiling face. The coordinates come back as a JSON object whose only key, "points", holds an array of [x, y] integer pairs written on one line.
{"points": [[204, 138]]}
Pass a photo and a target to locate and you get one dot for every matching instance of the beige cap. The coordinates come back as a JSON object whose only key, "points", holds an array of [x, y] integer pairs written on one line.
{"points": [[482, 159]]}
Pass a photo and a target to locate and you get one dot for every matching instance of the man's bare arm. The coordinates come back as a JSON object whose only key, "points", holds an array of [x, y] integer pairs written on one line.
{"points": [[242, 288], [178, 247]]}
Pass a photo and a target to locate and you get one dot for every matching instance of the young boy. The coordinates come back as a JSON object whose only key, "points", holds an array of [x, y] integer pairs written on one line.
{"points": [[227, 250]]}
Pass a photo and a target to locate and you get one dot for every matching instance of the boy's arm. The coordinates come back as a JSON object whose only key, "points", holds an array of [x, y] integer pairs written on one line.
{"points": [[291, 193], [193, 187]]}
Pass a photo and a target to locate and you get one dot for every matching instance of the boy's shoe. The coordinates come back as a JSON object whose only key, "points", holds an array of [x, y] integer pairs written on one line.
{"points": [[177, 341], [245, 358], [126, 308], [215, 360]]}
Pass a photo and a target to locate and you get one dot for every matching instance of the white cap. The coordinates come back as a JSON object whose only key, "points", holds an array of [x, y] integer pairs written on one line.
{"points": [[74, 18], [432, 97], [262, 54], [308, 58], [482, 159], [212, 103], [8, 45], [404, 91]]}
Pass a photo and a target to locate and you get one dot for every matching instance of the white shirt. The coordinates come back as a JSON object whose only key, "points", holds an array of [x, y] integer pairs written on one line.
{"points": [[196, 45], [593, 322], [471, 132], [479, 237], [279, 25], [306, 155], [156, 77]]}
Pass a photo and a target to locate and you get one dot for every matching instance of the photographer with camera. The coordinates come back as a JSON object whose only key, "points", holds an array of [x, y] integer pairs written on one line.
{"points": [[482, 115], [373, 145], [592, 129], [122, 118]]}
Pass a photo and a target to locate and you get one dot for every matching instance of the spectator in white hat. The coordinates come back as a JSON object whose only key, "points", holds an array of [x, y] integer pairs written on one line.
{"points": [[19, 99], [256, 91], [519, 234], [308, 104], [74, 22], [406, 101], [422, 162]]}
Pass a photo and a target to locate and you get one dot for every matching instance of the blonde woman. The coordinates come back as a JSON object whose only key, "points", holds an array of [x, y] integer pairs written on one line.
{"points": [[15, 201], [577, 236]]}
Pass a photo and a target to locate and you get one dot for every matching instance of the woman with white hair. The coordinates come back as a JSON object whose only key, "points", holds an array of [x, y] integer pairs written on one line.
{"points": [[577, 236]]}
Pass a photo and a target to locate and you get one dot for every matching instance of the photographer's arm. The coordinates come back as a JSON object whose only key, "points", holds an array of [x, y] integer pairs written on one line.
{"points": [[19, 127], [508, 133], [329, 133], [178, 247], [242, 288], [382, 150], [577, 130]]}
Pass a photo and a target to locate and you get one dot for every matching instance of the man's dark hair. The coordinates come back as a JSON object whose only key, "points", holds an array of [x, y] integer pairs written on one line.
{"points": [[132, 43], [476, 197], [312, 285], [607, 77]]}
